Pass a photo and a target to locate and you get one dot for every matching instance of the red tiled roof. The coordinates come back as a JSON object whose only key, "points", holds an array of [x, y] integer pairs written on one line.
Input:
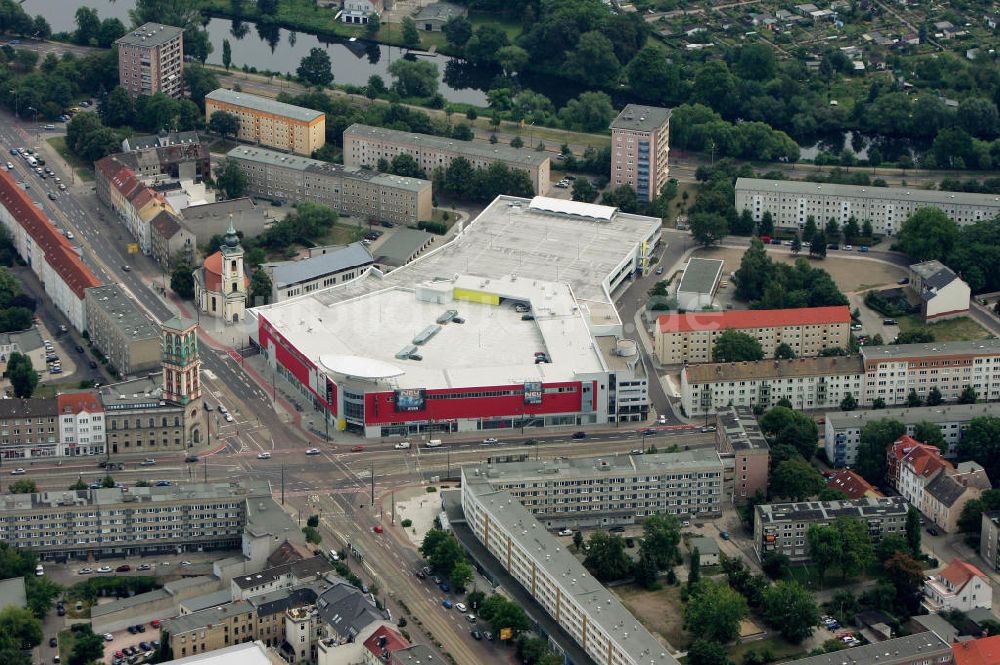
{"points": [[851, 484], [903, 445], [77, 402], [959, 572], [125, 182], [213, 273], [984, 651], [108, 166], [140, 196], [59, 254], [926, 460], [753, 318], [393, 641]]}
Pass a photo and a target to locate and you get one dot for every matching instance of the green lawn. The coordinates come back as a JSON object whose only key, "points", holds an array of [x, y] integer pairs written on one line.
{"points": [[83, 170], [512, 28], [779, 648], [343, 234], [951, 330]]}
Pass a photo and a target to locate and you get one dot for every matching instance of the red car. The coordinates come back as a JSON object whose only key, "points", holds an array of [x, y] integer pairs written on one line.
{"points": [[377, 528], [357, 449], [124, 568], [155, 623]]}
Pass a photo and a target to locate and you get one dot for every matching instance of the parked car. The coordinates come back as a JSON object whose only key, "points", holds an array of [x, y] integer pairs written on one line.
{"points": [[724, 535], [446, 603], [377, 528], [491, 440], [566, 532], [460, 607], [264, 455], [579, 435], [357, 449], [18, 472], [124, 568], [104, 569]]}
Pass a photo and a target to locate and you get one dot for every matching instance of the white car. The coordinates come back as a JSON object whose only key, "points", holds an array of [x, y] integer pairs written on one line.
{"points": [[460, 607], [10, 167], [264, 455], [566, 532], [312, 451], [491, 440], [402, 445], [185, 563], [229, 418], [848, 248], [108, 637], [104, 569], [18, 472], [85, 571]]}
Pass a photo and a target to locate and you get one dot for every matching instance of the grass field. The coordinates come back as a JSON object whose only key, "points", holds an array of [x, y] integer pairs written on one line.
{"points": [[778, 648], [951, 330], [83, 170]]}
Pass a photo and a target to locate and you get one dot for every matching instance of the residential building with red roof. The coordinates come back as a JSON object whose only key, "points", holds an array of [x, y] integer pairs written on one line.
{"points": [[81, 423], [917, 468], [958, 586], [852, 485], [51, 257], [690, 337], [984, 651]]}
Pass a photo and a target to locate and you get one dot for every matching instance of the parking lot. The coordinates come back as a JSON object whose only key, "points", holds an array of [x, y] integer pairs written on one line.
{"points": [[132, 647]]}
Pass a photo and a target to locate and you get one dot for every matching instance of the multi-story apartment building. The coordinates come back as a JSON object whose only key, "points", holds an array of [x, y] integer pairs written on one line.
{"points": [[151, 60], [892, 371], [792, 202], [691, 337], [81, 424], [842, 429], [144, 520], [612, 489], [177, 156], [782, 527], [364, 145], [349, 189], [320, 271], [134, 202], [169, 241], [989, 539], [808, 383], [46, 251], [28, 428], [593, 617], [920, 649], [640, 150], [269, 122], [120, 330], [738, 436]]}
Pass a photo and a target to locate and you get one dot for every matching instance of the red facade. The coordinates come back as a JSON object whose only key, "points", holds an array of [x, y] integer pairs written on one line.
{"points": [[298, 365]]}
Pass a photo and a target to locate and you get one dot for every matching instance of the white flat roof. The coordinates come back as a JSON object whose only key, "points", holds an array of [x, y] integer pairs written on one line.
{"points": [[575, 208], [494, 346]]}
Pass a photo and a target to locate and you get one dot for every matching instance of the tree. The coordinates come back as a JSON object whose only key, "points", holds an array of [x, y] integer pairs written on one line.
{"points": [[578, 540], [373, 25], [404, 164], [260, 288], [22, 486], [446, 555], [694, 569], [913, 530], [313, 521], [934, 397], [889, 544], [622, 197], [796, 479], [503, 613], [224, 124], [517, 142], [796, 245], [714, 612], [791, 428], [40, 592], [22, 375], [848, 403], [707, 652], [88, 26], [414, 78], [928, 234], [78, 485], [315, 68], [107, 481], [817, 246], [784, 351], [661, 537], [593, 61], [584, 191], [968, 395], [708, 228], [199, 81], [755, 271], [513, 59], [461, 574], [457, 30], [227, 54], [776, 566], [87, 647], [411, 38], [875, 436], [734, 346], [855, 545], [591, 111], [606, 559], [230, 179], [788, 607], [19, 628], [432, 539], [117, 110], [970, 520], [182, 281], [930, 433], [907, 576], [484, 47], [981, 443]]}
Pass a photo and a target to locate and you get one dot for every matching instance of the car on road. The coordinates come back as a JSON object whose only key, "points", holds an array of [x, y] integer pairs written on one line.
{"points": [[708, 428], [617, 529], [147, 462], [932, 531], [566, 532], [724, 535], [92, 364], [85, 571], [649, 431], [848, 248], [10, 166], [444, 586], [491, 440], [476, 635], [264, 455], [104, 569], [377, 528], [69, 235], [357, 449], [446, 604], [62, 187], [108, 637], [53, 642], [144, 566], [183, 563], [61, 611], [126, 267], [460, 607], [18, 472], [579, 435], [191, 459], [124, 568], [659, 271], [662, 420], [78, 348], [228, 418], [889, 322], [312, 451], [52, 196], [402, 445], [155, 623]]}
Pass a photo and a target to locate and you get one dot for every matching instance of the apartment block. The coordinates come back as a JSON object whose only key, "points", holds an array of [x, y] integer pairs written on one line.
{"points": [[920, 649], [892, 371], [120, 330], [640, 150], [842, 429], [364, 145], [808, 383], [349, 189], [782, 527], [81, 424], [151, 60], [271, 123], [989, 539], [738, 436], [612, 489], [791, 202], [143, 520], [28, 428], [589, 613], [690, 337]]}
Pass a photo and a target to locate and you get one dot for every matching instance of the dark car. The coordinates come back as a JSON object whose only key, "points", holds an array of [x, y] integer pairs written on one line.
{"points": [[579, 435], [629, 543], [617, 529], [53, 642], [932, 531], [420, 574], [476, 635], [889, 322], [79, 349], [92, 364], [527, 317], [132, 630], [61, 611], [124, 568], [191, 458]]}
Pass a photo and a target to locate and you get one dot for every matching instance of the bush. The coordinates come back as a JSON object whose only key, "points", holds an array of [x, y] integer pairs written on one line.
{"points": [[437, 228], [407, 523], [431, 489]]}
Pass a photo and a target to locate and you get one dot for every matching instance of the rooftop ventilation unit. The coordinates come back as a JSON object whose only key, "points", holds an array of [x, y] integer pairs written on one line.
{"points": [[406, 352], [426, 334]]}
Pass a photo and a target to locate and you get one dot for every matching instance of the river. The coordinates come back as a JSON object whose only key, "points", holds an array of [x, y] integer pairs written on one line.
{"points": [[352, 62]]}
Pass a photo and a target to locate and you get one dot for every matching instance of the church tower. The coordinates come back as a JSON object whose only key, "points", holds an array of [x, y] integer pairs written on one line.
{"points": [[234, 280]]}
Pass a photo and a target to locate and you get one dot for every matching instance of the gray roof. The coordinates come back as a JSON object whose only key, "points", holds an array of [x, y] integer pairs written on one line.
{"points": [[313, 567], [207, 600], [26, 340], [12, 593], [150, 34], [555, 470], [741, 428], [347, 610], [238, 208], [564, 569], [37, 407], [890, 652], [202, 618], [136, 496], [137, 600], [399, 248], [982, 347], [936, 624], [945, 413], [279, 600], [700, 275], [261, 155], [704, 544], [142, 393], [927, 196], [934, 274], [123, 312], [264, 104], [830, 510], [265, 517], [500, 153], [158, 140], [440, 11], [246, 653], [638, 118], [945, 489], [287, 273], [165, 224]]}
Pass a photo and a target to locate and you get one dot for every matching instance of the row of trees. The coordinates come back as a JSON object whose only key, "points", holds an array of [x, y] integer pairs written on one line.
{"points": [[466, 182], [972, 251]]}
